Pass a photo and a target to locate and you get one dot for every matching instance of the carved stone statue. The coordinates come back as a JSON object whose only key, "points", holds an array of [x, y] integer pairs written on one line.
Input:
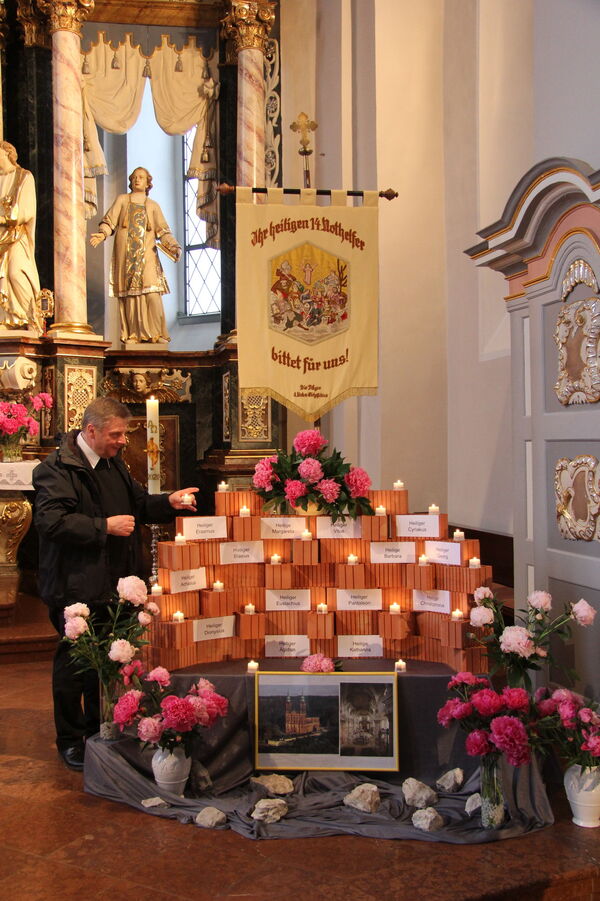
{"points": [[137, 277], [19, 279]]}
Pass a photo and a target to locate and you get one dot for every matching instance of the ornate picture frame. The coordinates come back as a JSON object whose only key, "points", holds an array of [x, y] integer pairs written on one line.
{"points": [[577, 336], [577, 491]]}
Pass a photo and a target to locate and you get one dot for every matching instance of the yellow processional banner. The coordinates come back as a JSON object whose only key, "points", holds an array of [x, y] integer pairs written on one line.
{"points": [[307, 298]]}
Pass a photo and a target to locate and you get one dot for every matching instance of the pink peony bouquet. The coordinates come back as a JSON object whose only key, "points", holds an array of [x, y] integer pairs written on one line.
{"points": [[163, 718], [572, 724], [527, 644], [309, 476], [16, 420], [319, 663]]}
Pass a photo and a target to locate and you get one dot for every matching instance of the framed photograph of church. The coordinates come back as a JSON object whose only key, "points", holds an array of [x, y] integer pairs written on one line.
{"points": [[326, 721]]}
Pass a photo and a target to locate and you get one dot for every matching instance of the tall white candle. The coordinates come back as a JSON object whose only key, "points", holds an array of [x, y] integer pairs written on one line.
{"points": [[152, 445]]}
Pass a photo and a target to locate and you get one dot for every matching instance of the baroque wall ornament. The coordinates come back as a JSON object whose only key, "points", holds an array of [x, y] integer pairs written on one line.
{"points": [[579, 273], [577, 491], [254, 416], [227, 406], [34, 24], [577, 336], [133, 386], [80, 390], [66, 15], [248, 23], [272, 114]]}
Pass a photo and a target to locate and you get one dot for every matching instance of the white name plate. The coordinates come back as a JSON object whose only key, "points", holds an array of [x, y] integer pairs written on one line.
{"points": [[328, 529], [393, 552], [359, 599], [199, 527], [215, 627], [360, 646], [288, 599], [282, 527], [443, 552], [287, 646], [411, 526], [242, 552], [435, 601], [187, 579]]}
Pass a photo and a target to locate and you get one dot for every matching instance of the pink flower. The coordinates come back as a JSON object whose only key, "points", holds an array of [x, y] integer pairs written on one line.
{"points": [[77, 610], [153, 608], [317, 663], [510, 736], [127, 708], [75, 626], [33, 426], [41, 400], [311, 470], [540, 600], [516, 699], [150, 729], [161, 675], [263, 474], [541, 652], [583, 613], [587, 715], [481, 616], [200, 710], [131, 669], [121, 651], [466, 679], [591, 743], [178, 713], [481, 594], [487, 702], [294, 489], [144, 619], [132, 589], [477, 743], [309, 442], [517, 640], [329, 488], [216, 705], [201, 687], [358, 481], [567, 711], [447, 713], [547, 706]]}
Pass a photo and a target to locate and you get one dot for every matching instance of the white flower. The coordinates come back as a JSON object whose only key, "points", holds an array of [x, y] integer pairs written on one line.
{"points": [[76, 610], [540, 600], [121, 651], [132, 589], [481, 594], [517, 640], [583, 613], [153, 608], [481, 616], [144, 618], [75, 626]]}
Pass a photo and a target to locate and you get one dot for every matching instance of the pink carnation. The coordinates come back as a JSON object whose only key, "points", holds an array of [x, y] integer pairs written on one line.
{"points": [[178, 713], [127, 707], [487, 702], [516, 699], [358, 481], [309, 442], [540, 600], [517, 640], [144, 619], [329, 488], [161, 675], [132, 589], [75, 626], [130, 670], [311, 470], [294, 489], [76, 610], [510, 736], [150, 729], [466, 679], [583, 613], [481, 616], [477, 743], [317, 663], [481, 594]]}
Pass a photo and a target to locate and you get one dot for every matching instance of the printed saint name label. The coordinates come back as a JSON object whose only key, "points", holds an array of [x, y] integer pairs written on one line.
{"points": [[288, 599], [242, 552], [187, 579], [360, 646], [359, 599], [216, 627], [443, 552], [393, 552], [282, 527], [198, 527], [287, 646], [328, 529], [436, 601], [410, 526]]}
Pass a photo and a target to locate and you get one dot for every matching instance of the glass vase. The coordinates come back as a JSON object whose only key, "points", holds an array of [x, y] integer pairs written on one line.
{"points": [[12, 451], [109, 731], [492, 798]]}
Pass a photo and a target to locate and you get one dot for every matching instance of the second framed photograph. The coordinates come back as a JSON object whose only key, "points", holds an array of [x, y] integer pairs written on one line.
{"points": [[318, 721]]}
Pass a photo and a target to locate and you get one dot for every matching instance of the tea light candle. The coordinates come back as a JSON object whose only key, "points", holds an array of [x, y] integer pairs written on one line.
{"points": [[321, 608], [222, 486], [179, 538], [458, 535], [275, 559], [394, 608], [423, 560], [244, 511], [218, 586], [474, 563], [252, 666], [156, 590], [400, 666], [457, 615], [306, 535], [249, 608], [434, 509], [186, 499], [380, 511], [399, 485], [178, 617], [352, 559]]}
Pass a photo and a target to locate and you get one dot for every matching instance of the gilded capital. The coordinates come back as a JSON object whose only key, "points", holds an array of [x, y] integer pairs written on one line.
{"points": [[66, 15], [33, 23], [248, 23]]}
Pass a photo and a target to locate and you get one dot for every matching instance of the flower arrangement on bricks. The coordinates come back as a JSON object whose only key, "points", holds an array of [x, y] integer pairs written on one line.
{"points": [[17, 423], [319, 663], [308, 479]]}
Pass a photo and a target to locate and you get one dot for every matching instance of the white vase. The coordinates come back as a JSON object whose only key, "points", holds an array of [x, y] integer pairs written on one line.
{"points": [[171, 769], [582, 786]]}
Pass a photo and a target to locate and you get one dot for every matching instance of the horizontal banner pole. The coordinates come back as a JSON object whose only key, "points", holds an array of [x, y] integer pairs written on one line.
{"points": [[388, 194]]}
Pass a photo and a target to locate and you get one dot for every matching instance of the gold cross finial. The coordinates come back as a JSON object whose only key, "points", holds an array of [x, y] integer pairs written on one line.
{"points": [[304, 125]]}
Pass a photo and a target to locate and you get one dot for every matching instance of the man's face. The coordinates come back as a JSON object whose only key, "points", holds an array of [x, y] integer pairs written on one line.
{"points": [[107, 441], [139, 180]]}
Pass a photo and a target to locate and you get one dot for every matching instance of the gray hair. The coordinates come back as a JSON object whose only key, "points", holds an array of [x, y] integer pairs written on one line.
{"points": [[101, 410]]}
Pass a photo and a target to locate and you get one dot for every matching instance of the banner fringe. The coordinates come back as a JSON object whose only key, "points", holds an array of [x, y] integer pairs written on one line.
{"points": [[325, 408]]}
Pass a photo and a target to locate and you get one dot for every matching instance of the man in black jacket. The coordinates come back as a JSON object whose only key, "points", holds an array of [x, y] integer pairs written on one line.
{"points": [[87, 514]]}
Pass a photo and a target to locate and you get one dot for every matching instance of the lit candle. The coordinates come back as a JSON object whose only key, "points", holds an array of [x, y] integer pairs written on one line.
{"points": [[458, 535], [394, 608], [380, 511], [275, 559], [222, 486], [434, 509], [179, 538], [306, 535], [352, 559], [321, 608], [423, 560], [244, 511], [218, 586], [178, 617], [156, 590], [474, 563], [249, 608], [186, 499], [400, 666], [152, 445], [399, 485], [252, 666], [456, 615]]}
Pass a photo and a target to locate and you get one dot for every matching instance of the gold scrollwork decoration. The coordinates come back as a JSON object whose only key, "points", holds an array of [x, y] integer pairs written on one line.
{"points": [[248, 23], [579, 273], [34, 24], [577, 492], [577, 336], [226, 406], [254, 416], [80, 390], [15, 519]]}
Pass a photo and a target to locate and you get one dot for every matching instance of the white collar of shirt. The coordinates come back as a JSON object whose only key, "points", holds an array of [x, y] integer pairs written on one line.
{"points": [[90, 455]]}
